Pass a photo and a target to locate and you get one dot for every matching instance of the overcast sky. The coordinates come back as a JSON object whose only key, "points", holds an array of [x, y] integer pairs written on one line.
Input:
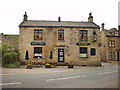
{"points": [[12, 11]]}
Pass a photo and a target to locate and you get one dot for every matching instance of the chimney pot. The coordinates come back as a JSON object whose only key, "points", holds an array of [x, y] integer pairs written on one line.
{"points": [[102, 26], [90, 18], [119, 30], [59, 19], [25, 17]]}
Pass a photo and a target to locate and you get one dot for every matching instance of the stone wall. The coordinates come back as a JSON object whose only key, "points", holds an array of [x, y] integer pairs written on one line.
{"points": [[71, 50]]}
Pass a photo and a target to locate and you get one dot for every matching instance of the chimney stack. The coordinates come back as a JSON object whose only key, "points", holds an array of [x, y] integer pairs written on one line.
{"points": [[119, 30], [59, 19], [90, 18], [119, 27], [25, 17], [102, 26]]}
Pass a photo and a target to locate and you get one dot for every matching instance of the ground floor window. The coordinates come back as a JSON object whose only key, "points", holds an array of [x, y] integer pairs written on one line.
{"points": [[112, 55], [37, 52], [83, 52], [93, 51]]}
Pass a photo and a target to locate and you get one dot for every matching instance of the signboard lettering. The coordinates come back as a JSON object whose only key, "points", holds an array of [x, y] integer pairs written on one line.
{"points": [[82, 44], [37, 43]]}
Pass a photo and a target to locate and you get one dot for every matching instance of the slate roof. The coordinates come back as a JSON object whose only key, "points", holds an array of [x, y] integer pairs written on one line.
{"points": [[110, 32], [40, 23]]}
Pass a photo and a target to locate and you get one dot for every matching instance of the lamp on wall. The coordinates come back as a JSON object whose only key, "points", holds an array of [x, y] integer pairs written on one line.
{"points": [[54, 47], [67, 47]]}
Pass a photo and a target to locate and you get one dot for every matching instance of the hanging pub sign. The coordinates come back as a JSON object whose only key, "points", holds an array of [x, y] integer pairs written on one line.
{"points": [[37, 43], [82, 44]]}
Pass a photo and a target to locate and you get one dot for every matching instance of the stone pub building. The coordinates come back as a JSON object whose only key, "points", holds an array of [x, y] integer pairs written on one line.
{"points": [[65, 41]]}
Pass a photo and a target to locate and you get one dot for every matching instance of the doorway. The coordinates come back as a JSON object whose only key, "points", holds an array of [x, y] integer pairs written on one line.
{"points": [[60, 55], [118, 56]]}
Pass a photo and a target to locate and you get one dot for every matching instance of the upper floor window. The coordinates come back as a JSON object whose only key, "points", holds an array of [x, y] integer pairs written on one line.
{"points": [[38, 34], [111, 43], [116, 33], [60, 34], [83, 35]]}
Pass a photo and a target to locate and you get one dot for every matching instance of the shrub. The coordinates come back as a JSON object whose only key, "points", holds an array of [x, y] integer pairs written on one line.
{"points": [[9, 58], [6, 48], [12, 65]]}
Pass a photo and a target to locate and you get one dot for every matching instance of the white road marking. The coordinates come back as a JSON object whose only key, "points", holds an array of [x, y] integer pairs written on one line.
{"points": [[11, 83], [107, 72], [50, 79], [66, 78], [61, 78]]}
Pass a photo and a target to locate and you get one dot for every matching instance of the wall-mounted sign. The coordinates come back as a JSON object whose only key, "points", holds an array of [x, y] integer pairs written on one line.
{"points": [[37, 43], [82, 44], [61, 46]]}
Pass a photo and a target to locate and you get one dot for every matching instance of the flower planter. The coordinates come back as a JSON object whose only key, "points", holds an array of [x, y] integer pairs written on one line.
{"points": [[70, 66], [29, 67], [48, 66]]}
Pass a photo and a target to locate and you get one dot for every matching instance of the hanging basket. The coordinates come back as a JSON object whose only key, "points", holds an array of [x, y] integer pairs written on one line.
{"points": [[70, 66]]}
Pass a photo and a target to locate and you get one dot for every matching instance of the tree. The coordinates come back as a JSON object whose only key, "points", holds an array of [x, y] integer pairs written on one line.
{"points": [[8, 54], [6, 48]]}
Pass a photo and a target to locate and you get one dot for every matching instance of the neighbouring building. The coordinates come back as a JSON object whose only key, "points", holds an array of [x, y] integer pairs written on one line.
{"points": [[110, 50], [60, 42], [10, 39]]}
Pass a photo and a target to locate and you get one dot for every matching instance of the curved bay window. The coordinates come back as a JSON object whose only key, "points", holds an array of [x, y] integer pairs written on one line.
{"points": [[38, 34], [37, 52], [83, 35]]}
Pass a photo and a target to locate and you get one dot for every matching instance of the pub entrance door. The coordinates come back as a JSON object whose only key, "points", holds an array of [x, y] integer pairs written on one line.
{"points": [[60, 55], [118, 56]]}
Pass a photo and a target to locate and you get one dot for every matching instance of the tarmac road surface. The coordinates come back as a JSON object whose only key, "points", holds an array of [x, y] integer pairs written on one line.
{"points": [[62, 77]]}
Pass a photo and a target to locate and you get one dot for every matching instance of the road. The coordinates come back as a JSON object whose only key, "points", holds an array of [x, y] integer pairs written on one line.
{"points": [[79, 77]]}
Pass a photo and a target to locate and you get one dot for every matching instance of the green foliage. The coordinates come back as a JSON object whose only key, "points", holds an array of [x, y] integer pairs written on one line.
{"points": [[9, 58], [10, 66], [13, 65], [9, 55], [13, 39], [6, 48]]}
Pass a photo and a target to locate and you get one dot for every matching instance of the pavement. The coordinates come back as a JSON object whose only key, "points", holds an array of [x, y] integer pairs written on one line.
{"points": [[23, 70]]}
